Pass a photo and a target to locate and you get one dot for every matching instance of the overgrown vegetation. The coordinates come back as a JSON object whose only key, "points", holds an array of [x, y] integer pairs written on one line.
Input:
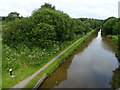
{"points": [[31, 42], [111, 28]]}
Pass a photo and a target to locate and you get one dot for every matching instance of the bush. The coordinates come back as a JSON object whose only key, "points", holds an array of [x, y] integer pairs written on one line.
{"points": [[17, 31], [43, 35]]}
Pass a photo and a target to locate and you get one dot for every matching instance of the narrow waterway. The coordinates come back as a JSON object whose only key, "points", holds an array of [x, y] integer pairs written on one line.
{"points": [[90, 66]]}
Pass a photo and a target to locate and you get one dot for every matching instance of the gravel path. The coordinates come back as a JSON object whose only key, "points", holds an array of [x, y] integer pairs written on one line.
{"points": [[24, 82]]}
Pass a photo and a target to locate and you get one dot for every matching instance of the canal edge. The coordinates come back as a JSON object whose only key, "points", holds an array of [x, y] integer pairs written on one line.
{"points": [[41, 80]]}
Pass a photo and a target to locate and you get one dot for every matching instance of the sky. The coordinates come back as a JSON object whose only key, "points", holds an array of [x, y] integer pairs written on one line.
{"points": [[99, 9]]}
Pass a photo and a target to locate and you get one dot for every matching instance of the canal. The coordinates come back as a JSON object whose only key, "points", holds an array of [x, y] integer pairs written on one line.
{"points": [[90, 66]]}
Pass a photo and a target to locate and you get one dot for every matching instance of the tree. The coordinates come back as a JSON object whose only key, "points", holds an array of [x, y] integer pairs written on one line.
{"points": [[43, 35], [77, 26], [17, 31], [108, 19], [60, 21], [48, 6], [11, 16], [109, 25], [115, 28]]}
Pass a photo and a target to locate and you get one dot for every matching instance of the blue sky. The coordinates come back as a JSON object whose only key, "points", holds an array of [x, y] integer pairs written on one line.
{"points": [[100, 9]]}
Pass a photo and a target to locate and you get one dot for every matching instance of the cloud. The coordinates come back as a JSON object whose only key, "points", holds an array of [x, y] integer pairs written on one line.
{"points": [[75, 8]]}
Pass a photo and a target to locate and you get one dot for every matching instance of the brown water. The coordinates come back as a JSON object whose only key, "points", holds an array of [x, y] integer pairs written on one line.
{"points": [[90, 66]]}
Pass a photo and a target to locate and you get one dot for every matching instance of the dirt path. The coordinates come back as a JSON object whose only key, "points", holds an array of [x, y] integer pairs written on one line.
{"points": [[24, 82]]}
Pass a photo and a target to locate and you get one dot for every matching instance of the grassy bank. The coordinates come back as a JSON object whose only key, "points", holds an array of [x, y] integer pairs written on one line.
{"points": [[25, 61], [57, 62]]}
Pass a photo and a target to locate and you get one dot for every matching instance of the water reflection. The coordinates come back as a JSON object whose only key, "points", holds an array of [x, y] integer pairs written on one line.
{"points": [[111, 47], [62, 70], [54, 80], [90, 67]]}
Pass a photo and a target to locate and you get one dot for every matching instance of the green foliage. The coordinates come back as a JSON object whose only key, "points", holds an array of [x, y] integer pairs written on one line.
{"points": [[110, 26], [43, 35], [108, 19], [114, 39], [115, 29], [78, 26], [17, 31], [43, 27], [11, 16], [60, 21], [94, 23], [48, 6]]}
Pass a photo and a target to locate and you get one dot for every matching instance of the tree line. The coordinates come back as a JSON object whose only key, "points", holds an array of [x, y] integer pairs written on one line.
{"points": [[44, 27]]}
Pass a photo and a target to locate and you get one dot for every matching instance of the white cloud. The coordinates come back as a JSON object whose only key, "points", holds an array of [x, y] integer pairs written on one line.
{"points": [[75, 8]]}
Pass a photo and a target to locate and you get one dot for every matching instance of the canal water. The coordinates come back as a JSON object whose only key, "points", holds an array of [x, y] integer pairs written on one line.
{"points": [[90, 66]]}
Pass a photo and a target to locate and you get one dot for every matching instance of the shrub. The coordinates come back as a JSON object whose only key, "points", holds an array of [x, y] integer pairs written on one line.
{"points": [[43, 35]]}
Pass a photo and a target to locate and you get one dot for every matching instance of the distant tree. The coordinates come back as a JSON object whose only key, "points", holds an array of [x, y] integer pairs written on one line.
{"points": [[48, 6], [108, 19], [83, 19], [87, 27], [77, 26], [3, 18], [11, 16]]}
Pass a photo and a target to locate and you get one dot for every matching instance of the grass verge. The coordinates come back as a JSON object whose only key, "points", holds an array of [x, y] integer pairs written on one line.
{"points": [[56, 63], [25, 62]]}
